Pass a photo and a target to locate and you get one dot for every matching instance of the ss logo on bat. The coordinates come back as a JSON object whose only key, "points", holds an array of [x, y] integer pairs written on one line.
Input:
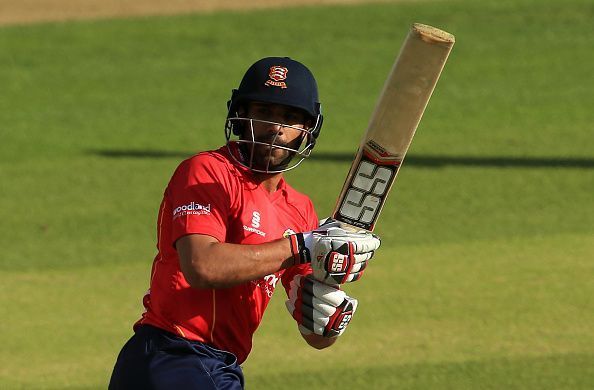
{"points": [[367, 193]]}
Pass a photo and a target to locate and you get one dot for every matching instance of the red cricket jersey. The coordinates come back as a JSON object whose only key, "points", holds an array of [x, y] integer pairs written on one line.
{"points": [[208, 194]]}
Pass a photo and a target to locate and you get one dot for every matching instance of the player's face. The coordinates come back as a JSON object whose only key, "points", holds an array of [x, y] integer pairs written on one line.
{"points": [[284, 131]]}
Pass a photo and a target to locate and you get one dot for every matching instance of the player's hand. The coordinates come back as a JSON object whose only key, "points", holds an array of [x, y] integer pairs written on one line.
{"points": [[319, 308], [336, 256], [327, 223]]}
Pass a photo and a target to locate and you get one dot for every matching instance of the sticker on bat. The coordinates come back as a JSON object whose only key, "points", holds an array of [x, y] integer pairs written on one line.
{"points": [[367, 192]]}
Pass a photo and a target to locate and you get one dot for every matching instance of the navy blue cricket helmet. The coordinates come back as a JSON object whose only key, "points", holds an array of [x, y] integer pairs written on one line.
{"points": [[277, 80]]}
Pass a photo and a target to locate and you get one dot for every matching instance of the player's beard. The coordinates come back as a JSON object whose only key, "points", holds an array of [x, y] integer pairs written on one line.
{"points": [[270, 155]]}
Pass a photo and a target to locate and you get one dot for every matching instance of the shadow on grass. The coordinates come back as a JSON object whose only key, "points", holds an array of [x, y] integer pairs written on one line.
{"points": [[571, 371], [427, 161]]}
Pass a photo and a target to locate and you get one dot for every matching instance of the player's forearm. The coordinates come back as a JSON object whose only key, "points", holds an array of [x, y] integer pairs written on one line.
{"points": [[220, 265]]}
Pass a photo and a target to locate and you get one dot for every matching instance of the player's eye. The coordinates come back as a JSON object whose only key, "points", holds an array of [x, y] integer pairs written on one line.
{"points": [[292, 118], [264, 112], [261, 112]]}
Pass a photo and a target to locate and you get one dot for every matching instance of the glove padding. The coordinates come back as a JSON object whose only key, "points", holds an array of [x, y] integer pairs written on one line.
{"points": [[336, 255], [319, 308]]}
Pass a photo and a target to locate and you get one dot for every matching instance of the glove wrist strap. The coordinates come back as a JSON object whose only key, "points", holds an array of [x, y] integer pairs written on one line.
{"points": [[299, 249], [294, 248]]}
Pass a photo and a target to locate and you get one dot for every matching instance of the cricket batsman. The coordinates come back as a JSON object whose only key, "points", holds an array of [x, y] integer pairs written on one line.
{"points": [[229, 229]]}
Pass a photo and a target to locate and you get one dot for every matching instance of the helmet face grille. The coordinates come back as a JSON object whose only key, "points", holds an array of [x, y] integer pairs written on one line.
{"points": [[257, 154]]}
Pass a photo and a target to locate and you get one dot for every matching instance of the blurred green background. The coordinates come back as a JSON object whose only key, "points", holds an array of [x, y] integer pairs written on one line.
{"points": [[484, 279]]}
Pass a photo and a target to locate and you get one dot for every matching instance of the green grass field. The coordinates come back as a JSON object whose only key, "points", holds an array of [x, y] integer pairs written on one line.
{"points": [[484, 279]]}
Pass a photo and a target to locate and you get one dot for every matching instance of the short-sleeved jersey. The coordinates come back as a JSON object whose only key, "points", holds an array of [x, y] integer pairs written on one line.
{"points": [[209, 194]]}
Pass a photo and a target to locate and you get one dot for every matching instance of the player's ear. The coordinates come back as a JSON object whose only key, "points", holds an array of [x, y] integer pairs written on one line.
{"points": [[239, 125], [309, 121]]}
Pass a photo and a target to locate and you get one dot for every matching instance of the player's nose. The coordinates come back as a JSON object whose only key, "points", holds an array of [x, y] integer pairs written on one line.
{"points": [[274, 128]]}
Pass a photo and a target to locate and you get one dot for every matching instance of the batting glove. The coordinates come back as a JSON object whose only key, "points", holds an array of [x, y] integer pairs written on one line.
{"points": [[336, 255], [319, 308]]}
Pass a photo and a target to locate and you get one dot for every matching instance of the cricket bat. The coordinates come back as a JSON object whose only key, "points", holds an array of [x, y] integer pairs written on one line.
{"points": [[397, 114]]}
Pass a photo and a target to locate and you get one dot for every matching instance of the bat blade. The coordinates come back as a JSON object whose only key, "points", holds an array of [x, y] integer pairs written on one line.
{"points": [[405, 95]]}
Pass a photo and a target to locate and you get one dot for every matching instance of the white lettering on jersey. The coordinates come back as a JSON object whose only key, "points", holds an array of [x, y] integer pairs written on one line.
{"points": [[191, 208], [271, 279], [267, 283], [254, 230], [255, 225], [256, 219]]}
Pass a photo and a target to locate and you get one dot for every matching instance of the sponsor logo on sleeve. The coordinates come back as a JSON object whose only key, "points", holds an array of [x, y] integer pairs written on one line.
{"points": [[191, 208]]}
